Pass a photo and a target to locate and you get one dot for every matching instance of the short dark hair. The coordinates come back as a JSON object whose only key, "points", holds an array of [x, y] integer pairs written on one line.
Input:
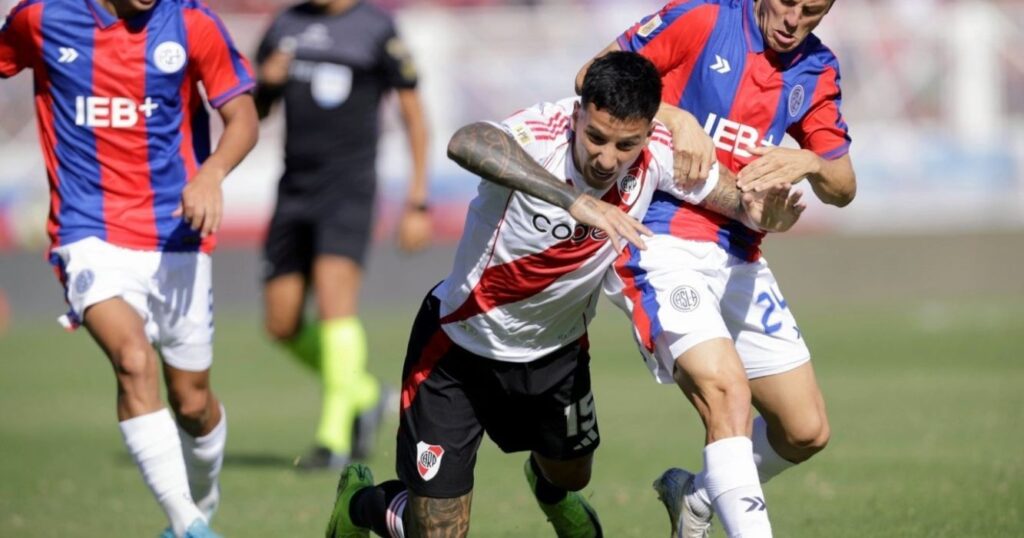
{"points": [[625, 84]]}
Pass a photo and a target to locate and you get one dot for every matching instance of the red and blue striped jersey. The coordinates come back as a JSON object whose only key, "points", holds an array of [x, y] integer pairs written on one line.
{"points": [[714, 64], [121, 118]]}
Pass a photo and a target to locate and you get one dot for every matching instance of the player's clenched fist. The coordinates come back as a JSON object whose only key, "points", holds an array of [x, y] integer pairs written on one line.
{"points": [[202, 203]]}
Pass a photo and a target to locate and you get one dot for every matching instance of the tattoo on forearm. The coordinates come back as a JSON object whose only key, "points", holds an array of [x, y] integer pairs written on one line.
{"points": [[492, 154], [726, 199], [438, 518]]}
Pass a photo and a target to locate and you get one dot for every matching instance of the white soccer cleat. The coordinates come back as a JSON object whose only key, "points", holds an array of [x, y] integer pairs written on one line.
{"points": [[690, 517]]}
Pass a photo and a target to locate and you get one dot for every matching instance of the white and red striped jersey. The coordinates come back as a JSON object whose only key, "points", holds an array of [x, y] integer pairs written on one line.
{"points": [[526, 274]]}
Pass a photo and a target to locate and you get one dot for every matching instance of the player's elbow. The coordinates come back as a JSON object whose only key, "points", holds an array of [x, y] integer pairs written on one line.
{"points": [[461, 145], [837, 193], [845, 195]]}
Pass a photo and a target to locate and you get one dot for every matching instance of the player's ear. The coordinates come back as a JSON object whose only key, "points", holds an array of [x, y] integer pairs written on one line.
{"points": [[575, 113]]}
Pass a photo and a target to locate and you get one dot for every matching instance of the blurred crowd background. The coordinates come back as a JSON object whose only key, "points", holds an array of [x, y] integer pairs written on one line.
{"points": [[933, 92]]}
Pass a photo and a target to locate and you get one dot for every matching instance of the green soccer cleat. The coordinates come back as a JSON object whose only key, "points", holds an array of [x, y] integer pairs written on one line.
{"points": [[689, 517], [572, 517], [354, 478]]}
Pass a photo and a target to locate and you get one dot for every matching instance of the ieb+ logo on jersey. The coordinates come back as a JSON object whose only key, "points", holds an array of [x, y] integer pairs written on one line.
{"points": [[428, 460], [116, 112], [734, 137]]}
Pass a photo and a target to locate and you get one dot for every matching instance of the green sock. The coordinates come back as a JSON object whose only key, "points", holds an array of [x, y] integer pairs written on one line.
{"points": [[305, 346], [348, 388]]}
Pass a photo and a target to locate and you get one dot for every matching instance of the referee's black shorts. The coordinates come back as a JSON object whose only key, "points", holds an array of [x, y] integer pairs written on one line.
{"points": [[335, 221], [450, 397]]}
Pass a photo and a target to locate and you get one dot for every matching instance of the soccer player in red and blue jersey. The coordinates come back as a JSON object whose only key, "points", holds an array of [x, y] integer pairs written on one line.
{"points": [[135, 197], [738, 75]]}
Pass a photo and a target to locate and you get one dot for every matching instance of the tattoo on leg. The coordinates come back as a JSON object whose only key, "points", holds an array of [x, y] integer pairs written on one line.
{"points": [[428, 517]]}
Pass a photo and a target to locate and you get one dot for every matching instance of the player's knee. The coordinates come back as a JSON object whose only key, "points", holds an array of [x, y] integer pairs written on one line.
{"points": [[279, 329], [573, 480], [809, 437], [570, 475], [724, 395], [190, 405], [135, 361]]}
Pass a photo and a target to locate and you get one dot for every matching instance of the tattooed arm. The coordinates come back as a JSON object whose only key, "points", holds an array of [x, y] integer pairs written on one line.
{"points": [[772, 211], [492, 154]]}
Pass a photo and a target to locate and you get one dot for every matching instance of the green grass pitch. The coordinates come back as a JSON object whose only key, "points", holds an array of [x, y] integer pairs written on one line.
{"points": [[926, 403]]}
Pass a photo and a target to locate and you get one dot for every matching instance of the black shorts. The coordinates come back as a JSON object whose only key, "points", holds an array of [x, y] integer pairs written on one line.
{"points": [[333, 221], [450, 397]]}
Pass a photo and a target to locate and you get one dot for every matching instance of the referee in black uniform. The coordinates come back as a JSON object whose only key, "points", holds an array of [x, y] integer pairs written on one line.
{"points": [[332, 61]]}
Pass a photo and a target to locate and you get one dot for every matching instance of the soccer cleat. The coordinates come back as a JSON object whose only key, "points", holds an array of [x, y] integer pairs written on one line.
{"points": [[572, 517], [198, 529], [322, 458], [689, 516], [354, 478], [364, 429]]}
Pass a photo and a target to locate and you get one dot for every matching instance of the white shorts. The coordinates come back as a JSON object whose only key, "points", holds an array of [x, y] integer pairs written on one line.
{"points": [[680, 293], [171, 291]]}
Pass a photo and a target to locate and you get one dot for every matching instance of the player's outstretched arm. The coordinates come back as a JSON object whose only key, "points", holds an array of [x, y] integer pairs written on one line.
{"points": [[492, 154], [202, 200], [833, 181], [773, 210], [776, 210], [726, 198]]}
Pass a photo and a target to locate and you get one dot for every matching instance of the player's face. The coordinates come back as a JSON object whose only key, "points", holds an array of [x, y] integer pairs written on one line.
{"points": [[786, 23], [604, 146]]}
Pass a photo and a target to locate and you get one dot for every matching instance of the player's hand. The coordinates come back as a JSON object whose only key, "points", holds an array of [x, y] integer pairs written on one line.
{"points": [[774, 210], [273, 71], [692, 148], [775, 167], [202, 202], [414, 230], [609, 219]]}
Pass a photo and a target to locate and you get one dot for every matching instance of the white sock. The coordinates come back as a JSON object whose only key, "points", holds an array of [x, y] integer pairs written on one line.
{"points": [[204, 457], [394, 514], [153, 442], [732, 484], [769, 463]]}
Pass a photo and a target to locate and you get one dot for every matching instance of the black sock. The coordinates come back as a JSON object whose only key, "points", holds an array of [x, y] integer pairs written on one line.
{"points": [[547, 492], [369, 506]]}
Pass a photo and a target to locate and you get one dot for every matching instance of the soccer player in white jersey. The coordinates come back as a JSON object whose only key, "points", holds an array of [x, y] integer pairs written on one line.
{"points": [[500, 346]]}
